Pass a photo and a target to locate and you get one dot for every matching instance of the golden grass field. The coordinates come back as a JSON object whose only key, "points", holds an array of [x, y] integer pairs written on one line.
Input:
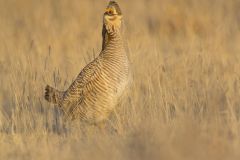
{"points": [[184, 102]]}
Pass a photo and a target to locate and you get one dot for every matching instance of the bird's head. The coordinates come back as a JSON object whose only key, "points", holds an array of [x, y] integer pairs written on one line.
{"points": [[112, 17]]}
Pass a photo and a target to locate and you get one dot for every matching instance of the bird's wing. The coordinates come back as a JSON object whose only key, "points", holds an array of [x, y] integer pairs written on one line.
{"points": [[81, 87]]}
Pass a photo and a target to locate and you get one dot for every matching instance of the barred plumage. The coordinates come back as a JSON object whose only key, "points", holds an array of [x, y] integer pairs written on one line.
{"points": [[95, 92]]}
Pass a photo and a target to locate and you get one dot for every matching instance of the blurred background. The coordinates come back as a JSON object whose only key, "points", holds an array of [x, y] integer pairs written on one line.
{"points": [[185, 97]]}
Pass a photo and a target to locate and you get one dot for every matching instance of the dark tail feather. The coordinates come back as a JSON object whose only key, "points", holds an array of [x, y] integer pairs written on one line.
{"points": [[52, 95]]}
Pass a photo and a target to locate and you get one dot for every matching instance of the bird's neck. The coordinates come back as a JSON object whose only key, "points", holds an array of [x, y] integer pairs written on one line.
{"points": [[104, 37], [113, 38]]}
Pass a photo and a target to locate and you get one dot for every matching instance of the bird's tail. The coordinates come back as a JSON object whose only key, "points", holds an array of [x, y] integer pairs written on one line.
{"points": [[52, 95]]}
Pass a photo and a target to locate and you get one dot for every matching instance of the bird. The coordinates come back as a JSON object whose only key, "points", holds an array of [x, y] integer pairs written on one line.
{"points": [[96, 91]]}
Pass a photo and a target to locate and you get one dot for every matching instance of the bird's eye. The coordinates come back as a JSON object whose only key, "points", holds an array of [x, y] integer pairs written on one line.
{"points": [[110, 12]]}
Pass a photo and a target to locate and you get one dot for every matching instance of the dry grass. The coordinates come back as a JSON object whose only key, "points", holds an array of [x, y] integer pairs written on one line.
{"points": [[185, 98]]}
